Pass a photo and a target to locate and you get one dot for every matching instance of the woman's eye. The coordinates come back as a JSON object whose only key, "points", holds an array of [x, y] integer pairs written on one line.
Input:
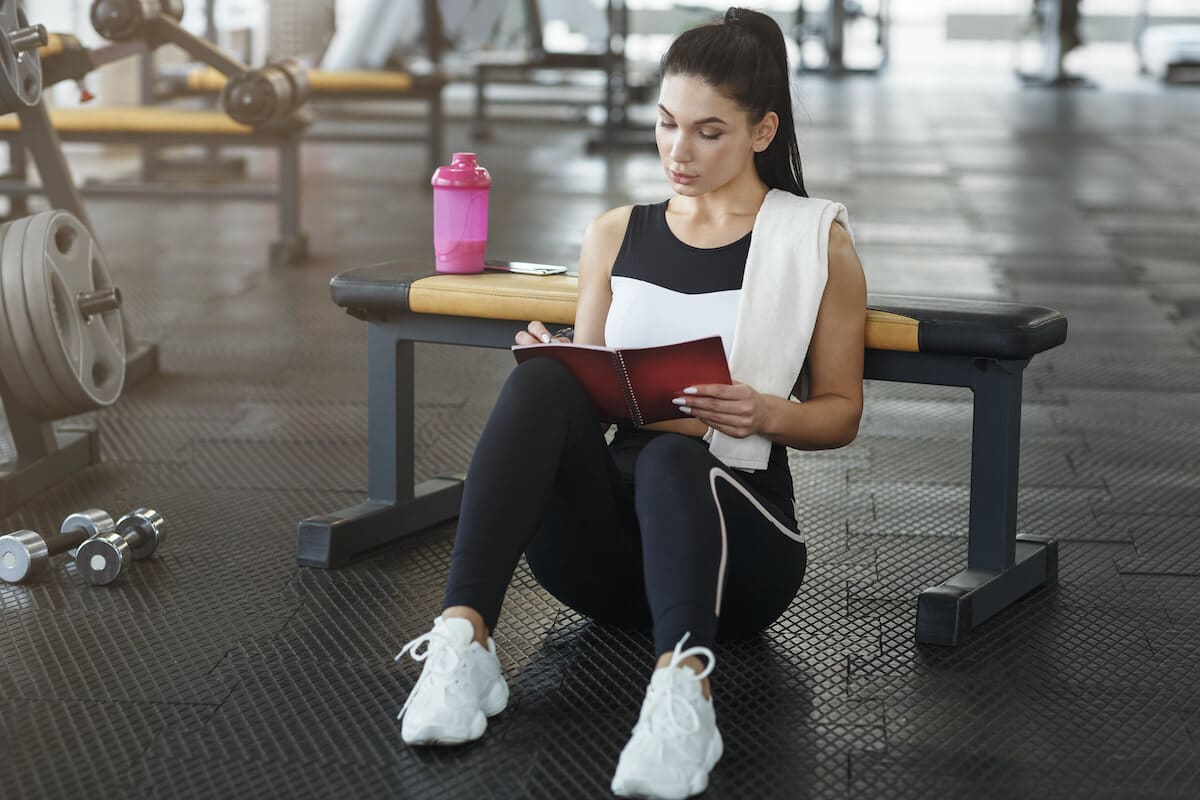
{"points": [[712, 137], [662, 123]]}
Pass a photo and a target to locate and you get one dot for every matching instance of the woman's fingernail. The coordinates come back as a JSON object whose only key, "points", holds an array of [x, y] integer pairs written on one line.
{"points": [[678, 401], [685, 409], [690, 390], [546, 338]]}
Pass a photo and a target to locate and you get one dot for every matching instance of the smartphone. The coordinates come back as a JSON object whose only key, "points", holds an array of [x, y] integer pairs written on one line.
{"points": [[523, 267]]}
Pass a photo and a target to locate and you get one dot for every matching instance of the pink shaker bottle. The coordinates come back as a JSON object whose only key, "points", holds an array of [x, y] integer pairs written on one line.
{"points": [[460, 214]]}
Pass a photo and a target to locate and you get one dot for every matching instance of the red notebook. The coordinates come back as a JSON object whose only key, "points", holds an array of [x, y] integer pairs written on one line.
{"points": [[635, 385]]}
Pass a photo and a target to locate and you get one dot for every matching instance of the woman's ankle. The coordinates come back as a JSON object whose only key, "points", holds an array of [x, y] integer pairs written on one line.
{"points": [[472, 616], [692, 663]]}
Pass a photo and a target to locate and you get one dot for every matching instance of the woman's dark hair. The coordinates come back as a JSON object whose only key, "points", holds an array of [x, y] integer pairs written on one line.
{"points": [[744, 57]]}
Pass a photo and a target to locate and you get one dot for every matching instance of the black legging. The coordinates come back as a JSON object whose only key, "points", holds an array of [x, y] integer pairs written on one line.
{"points": [[678, 540]]}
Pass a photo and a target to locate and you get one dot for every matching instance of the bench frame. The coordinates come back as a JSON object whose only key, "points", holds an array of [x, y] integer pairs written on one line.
{"points": [[1002, 566], [35, 135]]}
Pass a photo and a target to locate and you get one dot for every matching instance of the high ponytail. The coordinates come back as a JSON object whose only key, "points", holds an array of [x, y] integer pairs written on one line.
{"points": [[745, 58]]}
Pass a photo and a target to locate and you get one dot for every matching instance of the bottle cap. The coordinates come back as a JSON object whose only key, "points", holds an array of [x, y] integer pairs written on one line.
{"points": [[463, 172]]}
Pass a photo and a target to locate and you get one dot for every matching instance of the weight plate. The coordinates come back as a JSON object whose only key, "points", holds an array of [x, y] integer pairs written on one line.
{"points": [[23, 370], [20, 73], [11, 367], [85, 357]]}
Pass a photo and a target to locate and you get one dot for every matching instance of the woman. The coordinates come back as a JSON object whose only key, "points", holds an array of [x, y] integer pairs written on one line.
{"points": [[654, 530]]}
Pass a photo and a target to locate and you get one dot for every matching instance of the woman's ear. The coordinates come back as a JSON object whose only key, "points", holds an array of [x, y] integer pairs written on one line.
{"points": [[764, 132]]}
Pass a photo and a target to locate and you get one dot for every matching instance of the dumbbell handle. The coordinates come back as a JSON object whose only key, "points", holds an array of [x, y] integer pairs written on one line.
{"points": [[134, 536], [67, 541]]}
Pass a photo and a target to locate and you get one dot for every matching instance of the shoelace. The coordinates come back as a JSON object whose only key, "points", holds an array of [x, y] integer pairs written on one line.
{"points": [[439, 666], [668, 697]]}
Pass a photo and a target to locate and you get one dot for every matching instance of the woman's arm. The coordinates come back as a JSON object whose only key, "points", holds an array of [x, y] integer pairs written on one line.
{"points": [[601, 241], [830, 416]]}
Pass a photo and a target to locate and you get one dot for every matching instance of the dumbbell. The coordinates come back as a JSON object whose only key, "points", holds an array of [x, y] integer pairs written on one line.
{"points": [[119, 20], [104, 558], [24, 554], [267, 95]]}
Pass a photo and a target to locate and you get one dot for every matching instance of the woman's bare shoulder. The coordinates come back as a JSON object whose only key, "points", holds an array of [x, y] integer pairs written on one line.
{"points": [[602, 241], [611, 224]]}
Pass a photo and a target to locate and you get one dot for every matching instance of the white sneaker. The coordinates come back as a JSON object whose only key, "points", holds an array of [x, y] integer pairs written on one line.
{"points": [[675, 743], [459, 688]]}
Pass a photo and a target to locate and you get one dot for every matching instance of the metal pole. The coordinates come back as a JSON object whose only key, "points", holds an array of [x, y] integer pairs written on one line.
{"points": [[43, 142]]}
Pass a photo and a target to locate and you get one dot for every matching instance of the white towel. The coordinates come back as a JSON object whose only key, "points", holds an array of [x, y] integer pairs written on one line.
{"points": [[786, 270]]}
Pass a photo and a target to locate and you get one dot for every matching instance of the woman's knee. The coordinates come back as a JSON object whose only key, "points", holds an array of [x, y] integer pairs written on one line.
{"points": [[667, 459], [538, 379]]}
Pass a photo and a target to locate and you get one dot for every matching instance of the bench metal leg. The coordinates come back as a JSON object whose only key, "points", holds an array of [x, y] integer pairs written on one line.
{"points": [[395, 507], [1002, 567], [293, 243]]}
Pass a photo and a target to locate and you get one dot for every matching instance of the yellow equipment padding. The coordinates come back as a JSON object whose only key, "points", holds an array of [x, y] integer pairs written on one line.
{"points": [[552, 298], [208, 79], [53, 47], [497, 295], [888, 331], [137, 120]]}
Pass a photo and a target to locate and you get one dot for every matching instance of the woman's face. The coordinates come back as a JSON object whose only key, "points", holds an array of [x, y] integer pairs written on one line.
{"points": [[704, 138]]}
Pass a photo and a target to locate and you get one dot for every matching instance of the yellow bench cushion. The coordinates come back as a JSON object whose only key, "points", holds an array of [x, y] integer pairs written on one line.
{"points": [[137, 120], [552, 298], [208, 79]]}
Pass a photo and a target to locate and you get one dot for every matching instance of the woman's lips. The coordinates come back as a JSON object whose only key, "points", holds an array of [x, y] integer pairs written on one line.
{"points": [[679, 177]]}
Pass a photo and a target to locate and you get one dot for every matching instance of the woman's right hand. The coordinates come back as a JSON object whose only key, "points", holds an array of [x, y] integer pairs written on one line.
{"points": [[537, 333]]}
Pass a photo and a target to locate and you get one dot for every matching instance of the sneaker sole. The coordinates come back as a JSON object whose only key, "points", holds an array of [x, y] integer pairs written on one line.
{"points": [[494, 702], [648, 787]]}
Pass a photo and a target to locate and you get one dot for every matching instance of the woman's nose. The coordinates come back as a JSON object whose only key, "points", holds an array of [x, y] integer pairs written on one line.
{"points": [[680, 153]]}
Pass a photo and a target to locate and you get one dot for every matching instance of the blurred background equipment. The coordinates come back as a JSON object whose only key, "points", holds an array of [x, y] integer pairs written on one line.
{"points": [[834, 26], [1167, 50], [264, 107]]}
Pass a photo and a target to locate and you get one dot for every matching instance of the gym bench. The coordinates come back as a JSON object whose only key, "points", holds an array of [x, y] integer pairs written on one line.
{"points": [[167, 127], [339, 85], [983, 346]]}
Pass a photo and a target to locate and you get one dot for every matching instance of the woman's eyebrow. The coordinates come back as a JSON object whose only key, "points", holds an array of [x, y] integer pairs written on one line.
{"points": [[705, 121]]}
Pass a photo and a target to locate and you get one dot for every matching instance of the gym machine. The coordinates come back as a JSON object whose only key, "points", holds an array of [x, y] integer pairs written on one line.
{"points": [[273, 96], [618, 91], [828, 28], [1166, 48], [64, 346], [269, 104]]}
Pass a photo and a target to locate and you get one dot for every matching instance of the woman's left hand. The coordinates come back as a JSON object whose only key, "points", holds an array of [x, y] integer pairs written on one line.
{"points": [[733, 409]]}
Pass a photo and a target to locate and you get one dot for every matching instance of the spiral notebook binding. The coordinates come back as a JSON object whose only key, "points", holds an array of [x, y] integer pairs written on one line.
{"points": [[630, 401]]}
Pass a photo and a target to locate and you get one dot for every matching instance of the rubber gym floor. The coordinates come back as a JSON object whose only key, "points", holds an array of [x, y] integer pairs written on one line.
{"points": [[221, 669]]}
